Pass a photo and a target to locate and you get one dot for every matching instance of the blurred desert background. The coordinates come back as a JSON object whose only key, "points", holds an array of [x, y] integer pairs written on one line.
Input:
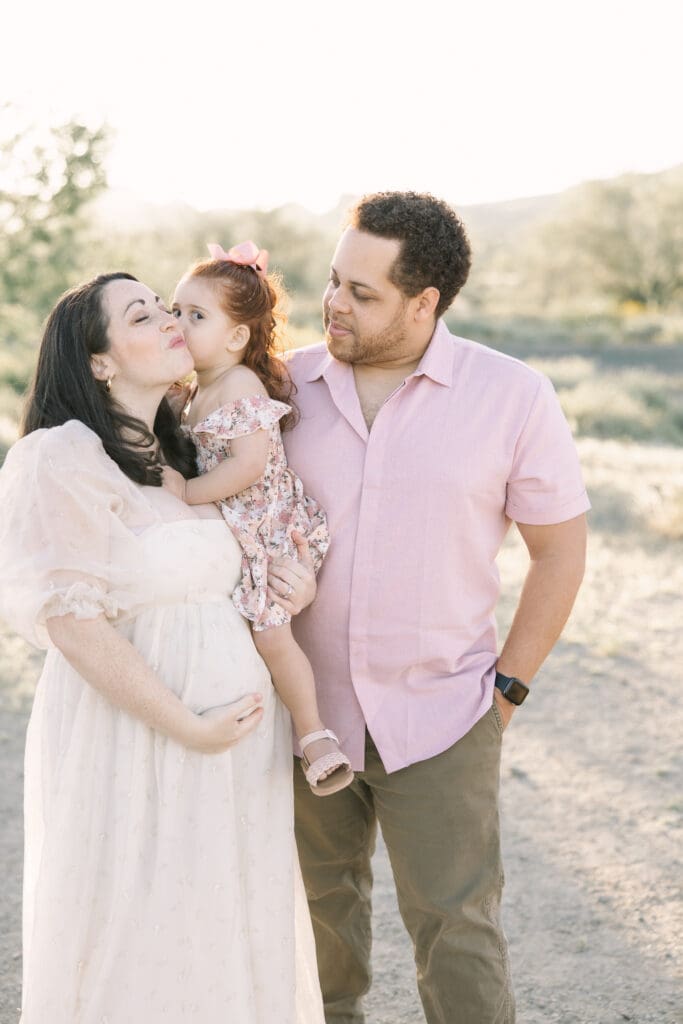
{"points": [[573, 107]]}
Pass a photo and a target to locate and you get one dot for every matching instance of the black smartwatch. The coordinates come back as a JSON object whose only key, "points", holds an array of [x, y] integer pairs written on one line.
{"points": [[513, 689]]}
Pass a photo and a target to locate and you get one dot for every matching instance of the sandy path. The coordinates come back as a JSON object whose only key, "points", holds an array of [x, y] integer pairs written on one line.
{"points": [[592, 786]]}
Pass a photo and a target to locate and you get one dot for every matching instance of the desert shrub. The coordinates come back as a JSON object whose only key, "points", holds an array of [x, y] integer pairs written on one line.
{"points": [[565, 373], [521, 335], [639, 405]]}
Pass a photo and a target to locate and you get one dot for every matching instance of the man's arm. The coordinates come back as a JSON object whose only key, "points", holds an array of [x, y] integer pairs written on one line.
{"points": [[558, 558]]}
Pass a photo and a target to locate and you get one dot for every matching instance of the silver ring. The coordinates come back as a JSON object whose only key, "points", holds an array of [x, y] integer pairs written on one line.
{"points": [[288, 591]]}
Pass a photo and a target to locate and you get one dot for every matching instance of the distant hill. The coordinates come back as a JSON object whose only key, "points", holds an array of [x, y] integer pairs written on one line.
{"points": [[123, 210], [486, 222], [497, 222]]}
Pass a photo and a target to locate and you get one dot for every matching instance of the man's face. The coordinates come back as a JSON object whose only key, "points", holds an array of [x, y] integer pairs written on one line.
{"points": [[365, 315]]}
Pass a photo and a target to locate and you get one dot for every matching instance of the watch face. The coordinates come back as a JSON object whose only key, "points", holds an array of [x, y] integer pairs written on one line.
{"points": [[516, 691]]}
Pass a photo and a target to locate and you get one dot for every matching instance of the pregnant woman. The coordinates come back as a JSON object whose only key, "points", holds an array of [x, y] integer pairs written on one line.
{"points": [[160, 883]]}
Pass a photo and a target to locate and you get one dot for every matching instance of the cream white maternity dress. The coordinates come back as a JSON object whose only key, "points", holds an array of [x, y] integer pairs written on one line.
{"points": [[161, 885]]}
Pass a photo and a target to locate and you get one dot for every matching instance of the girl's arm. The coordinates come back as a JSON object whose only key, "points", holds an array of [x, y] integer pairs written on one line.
{"points": [[113, 667], [246, 465]]}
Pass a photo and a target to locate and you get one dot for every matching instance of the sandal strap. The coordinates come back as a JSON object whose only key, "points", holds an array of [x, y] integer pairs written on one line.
{"points": [[325, 765], [321, 734]]}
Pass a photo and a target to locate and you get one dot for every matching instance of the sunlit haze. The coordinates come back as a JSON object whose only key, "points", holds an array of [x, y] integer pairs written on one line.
{"points": [[259, 104]]}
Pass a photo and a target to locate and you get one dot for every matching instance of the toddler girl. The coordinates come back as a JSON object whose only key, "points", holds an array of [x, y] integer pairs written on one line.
{"points": [[226, 306]]}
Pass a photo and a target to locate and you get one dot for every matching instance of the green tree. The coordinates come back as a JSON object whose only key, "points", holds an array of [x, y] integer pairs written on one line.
{"points": [[620, 240], [47, 180]]}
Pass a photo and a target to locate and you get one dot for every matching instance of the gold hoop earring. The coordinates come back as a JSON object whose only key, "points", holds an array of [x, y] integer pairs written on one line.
{"points": [[108, 384]]}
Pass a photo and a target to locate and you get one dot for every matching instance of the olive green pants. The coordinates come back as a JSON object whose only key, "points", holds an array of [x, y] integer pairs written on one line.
{"points": [[439, 819]]}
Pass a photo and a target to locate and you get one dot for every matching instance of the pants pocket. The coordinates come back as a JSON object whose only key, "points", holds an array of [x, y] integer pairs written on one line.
{"points": [[498, 717]]}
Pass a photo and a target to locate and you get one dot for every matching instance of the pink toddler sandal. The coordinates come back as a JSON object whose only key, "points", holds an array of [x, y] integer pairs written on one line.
{"points": [[336, 764]]}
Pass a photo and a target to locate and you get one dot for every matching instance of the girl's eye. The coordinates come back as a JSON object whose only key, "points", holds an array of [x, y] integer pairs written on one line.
{"points": [[176, 314], [196, 315], [141, 319]]}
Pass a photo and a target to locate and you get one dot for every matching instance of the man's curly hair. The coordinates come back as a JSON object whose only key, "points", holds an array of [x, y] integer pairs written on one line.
{"points": [[435, 250]]}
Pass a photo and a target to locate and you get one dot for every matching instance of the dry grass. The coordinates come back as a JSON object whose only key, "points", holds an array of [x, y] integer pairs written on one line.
{"points": [[666, 514]]}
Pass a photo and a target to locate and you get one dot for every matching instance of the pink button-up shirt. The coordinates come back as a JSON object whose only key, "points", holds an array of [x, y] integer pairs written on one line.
{"points": [[402, 634]]}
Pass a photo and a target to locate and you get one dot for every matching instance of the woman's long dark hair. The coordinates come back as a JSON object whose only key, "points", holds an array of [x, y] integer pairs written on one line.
{"points": [[64, 388]]}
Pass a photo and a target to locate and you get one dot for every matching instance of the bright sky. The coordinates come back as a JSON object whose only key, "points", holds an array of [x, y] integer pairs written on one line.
{"points": [[260, 103]]}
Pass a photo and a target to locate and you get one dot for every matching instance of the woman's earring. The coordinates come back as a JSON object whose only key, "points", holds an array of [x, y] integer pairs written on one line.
{"points": [[109, 380]]}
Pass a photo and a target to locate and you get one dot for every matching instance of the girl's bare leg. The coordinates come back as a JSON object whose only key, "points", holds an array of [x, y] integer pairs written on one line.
{"points": [[294, 681]]}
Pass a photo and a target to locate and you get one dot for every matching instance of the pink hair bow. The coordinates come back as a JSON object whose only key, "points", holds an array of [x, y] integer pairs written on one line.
{"points": [[246, 254]]}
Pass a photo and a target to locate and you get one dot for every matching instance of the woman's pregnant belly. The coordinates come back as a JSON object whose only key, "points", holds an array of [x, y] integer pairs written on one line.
{"points": [[203, 652]]}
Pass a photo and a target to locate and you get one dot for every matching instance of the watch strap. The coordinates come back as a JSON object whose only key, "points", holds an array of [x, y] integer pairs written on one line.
{"points": [[512, 688]]}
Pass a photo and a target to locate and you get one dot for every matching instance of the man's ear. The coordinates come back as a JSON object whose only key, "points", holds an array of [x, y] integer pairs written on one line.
{"points": [[426, 303], [238, 338]]}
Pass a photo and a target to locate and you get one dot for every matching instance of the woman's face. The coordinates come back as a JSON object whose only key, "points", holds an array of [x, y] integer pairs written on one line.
{"points": [[147, 349]]}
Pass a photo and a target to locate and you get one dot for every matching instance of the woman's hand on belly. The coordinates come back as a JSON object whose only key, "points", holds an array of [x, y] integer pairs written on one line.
{"points": [[118, 671], [220, 728]]}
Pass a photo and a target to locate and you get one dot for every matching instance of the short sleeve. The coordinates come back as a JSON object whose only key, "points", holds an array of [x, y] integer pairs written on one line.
{"points": [[243, 416], [61, 497], [545, 485]]}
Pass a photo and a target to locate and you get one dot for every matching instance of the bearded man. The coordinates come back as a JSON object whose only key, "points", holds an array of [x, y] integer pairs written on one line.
{"points": [[423, 448]]}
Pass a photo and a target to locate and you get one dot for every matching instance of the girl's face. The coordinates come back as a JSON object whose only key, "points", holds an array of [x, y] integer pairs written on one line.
{"points": [[146, 346], [212, 335]]}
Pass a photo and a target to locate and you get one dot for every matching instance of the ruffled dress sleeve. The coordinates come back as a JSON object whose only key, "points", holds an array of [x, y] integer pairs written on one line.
{"points": [[243, 416], [60, 531]]}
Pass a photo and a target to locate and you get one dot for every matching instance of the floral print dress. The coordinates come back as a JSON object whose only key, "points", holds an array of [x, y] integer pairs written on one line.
{"points": [[262, 516]]}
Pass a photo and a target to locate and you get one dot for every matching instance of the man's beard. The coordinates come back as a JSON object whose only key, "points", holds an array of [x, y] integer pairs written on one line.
{"points": [[368, 348]]}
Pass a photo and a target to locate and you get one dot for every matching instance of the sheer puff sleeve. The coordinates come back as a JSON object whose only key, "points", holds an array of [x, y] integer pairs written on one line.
{"points": [[62, 499], [243, 416]]}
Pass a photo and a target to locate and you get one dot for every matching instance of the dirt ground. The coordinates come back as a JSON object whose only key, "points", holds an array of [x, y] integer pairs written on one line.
{"points": [[592, 781]]}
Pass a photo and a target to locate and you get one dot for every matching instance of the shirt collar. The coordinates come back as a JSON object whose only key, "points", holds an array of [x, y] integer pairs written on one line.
{"points": [[436, 363], [319, 367]]}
